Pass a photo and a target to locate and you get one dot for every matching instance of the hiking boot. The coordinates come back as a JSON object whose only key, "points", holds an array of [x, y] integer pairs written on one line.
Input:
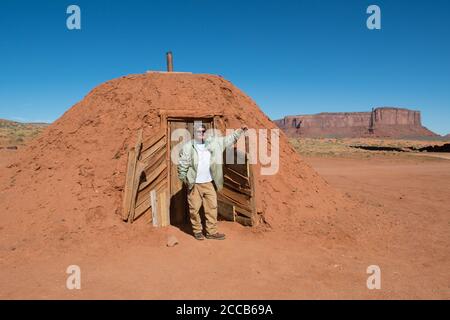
{"points": [[217, 236], [199, 236]]}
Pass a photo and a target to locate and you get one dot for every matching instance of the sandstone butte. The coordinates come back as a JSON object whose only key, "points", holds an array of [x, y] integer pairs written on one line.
{"points": [[380, 122]]}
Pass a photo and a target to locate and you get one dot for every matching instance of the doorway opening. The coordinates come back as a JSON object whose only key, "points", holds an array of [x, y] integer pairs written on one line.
{"points": [[154, 194]]}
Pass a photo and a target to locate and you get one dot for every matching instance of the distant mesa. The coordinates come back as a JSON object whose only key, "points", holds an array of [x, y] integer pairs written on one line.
{"points": [[380, 122]]}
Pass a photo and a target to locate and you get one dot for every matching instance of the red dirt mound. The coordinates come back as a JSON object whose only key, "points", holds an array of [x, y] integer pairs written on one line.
{"points": [[71, 177]]}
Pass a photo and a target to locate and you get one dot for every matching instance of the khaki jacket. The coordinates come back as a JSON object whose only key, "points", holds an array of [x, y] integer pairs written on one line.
{"points": [[188, 158]]}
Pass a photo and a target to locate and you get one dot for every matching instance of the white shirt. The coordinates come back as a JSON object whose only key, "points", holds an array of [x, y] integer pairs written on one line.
{"points": [[204, 160]]}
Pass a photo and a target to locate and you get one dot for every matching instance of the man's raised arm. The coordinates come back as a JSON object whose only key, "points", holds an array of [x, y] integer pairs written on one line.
{"points": [[232, 138]]}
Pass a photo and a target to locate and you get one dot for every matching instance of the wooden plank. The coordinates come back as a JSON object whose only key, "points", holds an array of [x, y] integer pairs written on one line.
{"points": [[153, 175], [144, 217], [226, 210], [238, 168], [147, 216], [156, 154], [230, 182], [154, 206], [163, 120], [165, 126], [253, 194], [237, 188], [188, 115], [138, 146], [126, 205], [238, 209], [152, 164], [158, 145], [251, 181], [142, 208], [142, 195], [237, 198], [152, 140], [237, 179], [160, 213], [243, 211], [235, 176], [244, 220], [167, 208], [162, 208], [136, 176], [159, 184], [146, 190]]}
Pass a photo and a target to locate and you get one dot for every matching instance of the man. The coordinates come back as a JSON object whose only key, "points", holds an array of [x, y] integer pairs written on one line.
{"points": [[200, 167]]}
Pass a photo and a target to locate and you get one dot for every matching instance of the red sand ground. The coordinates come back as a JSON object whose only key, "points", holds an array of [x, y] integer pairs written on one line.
{"points": [[59, 197], [406, 234]]}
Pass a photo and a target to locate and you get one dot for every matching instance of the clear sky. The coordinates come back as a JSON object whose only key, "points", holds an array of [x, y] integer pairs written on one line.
{"points": [[291, 57]]}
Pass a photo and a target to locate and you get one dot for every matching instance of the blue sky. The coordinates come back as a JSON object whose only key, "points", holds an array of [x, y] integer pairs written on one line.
{"points": [[291, 57]]}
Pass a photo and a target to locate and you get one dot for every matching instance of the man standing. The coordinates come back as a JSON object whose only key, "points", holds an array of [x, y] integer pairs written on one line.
{"points": [[200, 167]]}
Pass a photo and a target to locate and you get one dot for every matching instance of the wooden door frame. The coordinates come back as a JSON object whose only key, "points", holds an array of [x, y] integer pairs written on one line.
{"points": [[167, 117], [216, 120]]}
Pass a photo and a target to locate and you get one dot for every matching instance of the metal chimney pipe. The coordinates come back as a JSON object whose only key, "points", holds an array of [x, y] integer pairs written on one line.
{"points": [[169, 61]]}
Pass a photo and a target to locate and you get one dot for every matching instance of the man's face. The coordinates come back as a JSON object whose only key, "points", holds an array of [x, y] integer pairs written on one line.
{"points": [[200, 134]]}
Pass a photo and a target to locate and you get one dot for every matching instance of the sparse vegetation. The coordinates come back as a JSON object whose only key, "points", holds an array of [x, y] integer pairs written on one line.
{"points": [[332, 147], [16, 133]]}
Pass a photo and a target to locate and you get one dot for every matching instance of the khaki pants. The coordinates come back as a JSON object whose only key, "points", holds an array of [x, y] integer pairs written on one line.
{"points": [[203, 193]]}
